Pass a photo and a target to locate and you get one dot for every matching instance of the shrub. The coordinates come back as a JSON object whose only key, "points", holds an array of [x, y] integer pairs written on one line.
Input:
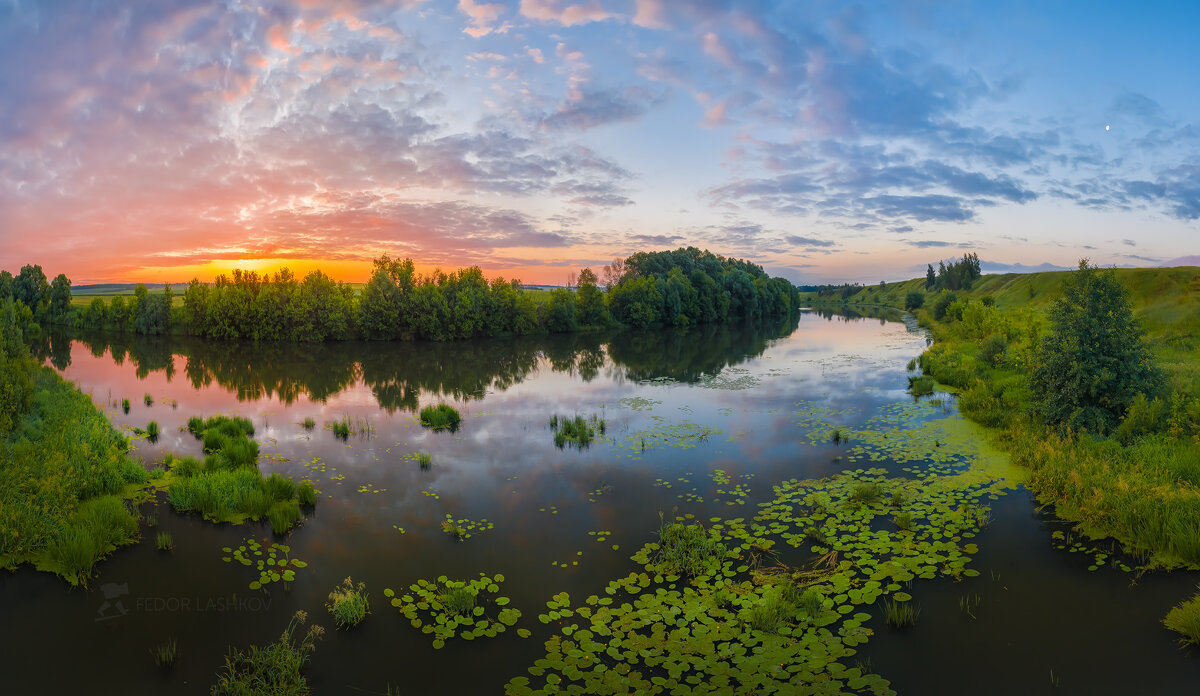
{"points": [[943, 304], [993, 349], [440, 417], [348, 604], [914, 300]]}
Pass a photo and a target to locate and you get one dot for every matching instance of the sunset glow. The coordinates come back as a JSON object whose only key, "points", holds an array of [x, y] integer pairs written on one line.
{"points": [[164, 141]]}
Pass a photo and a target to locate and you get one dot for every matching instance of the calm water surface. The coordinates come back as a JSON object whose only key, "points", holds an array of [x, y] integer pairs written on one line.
{"points": [[678, 407]]}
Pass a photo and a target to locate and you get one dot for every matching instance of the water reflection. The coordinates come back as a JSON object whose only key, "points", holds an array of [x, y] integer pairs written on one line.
{"points": [[398, 372]]}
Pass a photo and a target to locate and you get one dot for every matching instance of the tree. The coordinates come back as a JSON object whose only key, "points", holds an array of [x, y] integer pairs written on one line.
{"points": [[60, 295], [1093, 363], [930, 277], [6, 285], [589, 301], [914, 300], [30, 286]]}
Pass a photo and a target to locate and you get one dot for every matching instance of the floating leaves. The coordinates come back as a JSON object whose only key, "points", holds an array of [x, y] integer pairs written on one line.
{"points": [[274, 563], [466, 609]]}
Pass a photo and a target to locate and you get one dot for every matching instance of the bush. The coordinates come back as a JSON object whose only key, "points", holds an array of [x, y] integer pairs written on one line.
{"points": [[440, 417], [943, 304], [993, 349], [914, 300]]}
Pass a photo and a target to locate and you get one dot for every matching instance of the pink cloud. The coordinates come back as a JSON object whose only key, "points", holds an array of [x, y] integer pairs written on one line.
{"points": [[651, 14], [569, 15], [483, 16]]}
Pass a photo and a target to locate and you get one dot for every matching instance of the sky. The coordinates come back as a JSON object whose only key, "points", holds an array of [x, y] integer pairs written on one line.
{"points": [[162, 140]]}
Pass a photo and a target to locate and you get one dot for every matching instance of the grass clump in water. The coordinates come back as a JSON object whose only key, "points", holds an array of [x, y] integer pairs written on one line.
{"points": [[148, 399], [577, 431], [440, 417], [306, 493], [274, 669], [424, 460], [125, 406], [165, 653], [688, 549], [341, 429], [309, 423], [164, 542], [284, 515], [459, 598], [837, 437], [1184, 619], [866, 493], [900, 614], [348, 604], [152, 431], [921, 386]]}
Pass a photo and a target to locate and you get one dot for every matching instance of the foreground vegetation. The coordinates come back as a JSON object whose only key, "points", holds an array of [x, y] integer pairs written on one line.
{"points": [[1107, 423], [66, 479]]}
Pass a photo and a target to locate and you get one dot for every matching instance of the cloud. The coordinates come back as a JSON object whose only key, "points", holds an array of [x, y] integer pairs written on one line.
{"points": [[807, 241], [1193, 260], [565, 13], [483, 16], [994, 267], [594, 108], [927, 243]]}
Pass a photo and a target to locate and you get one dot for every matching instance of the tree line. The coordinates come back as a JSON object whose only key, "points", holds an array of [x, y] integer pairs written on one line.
{"points": [[678, 288]]}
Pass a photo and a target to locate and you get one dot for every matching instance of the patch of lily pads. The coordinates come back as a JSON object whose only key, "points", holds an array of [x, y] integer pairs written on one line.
{"points": [[274, 563], [775, 604], [446, 609]]}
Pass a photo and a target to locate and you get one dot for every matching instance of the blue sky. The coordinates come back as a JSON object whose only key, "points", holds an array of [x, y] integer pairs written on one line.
{"points": [[825, 141]]}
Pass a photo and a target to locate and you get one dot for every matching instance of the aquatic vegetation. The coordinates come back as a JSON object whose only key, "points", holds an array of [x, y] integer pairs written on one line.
{"points": [[903, 521], [836, 436], [866, 493], [687, 549], [968, 603], [341, 429], [274, 669], [1184, 619], [348, 604], [921, 385], [682, 435], [424, 460], [577, 431], [164, 542], [164, 653], [195, 426], [306, 493], [125, 406], [309, 423], [274, 563], [900, 614], [440, 417], [748, 623], [462, 529], [446, 609], [152, 431], [284, 515], [148, 399]]}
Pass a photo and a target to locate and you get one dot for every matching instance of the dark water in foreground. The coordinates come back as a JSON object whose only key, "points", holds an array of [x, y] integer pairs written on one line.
{"points": [[677, 406]]}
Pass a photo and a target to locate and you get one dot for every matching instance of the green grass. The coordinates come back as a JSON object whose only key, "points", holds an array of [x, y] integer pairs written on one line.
{"points": [[900, 614], [921, 385], [284, 515], [458, 598], [165, 653], [306, 493], [63, 482], [424, 460], [309, 423], [348, 604], [1184, 619], [576, 431], [688, 549], [341, 429], [866, 493], [164, 542], [152, 430], [440, 417], [274, 669]]}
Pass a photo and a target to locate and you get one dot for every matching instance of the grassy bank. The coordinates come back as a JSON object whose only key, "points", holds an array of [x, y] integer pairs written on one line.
{"points": [[65, 483], [1140, 484]]}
